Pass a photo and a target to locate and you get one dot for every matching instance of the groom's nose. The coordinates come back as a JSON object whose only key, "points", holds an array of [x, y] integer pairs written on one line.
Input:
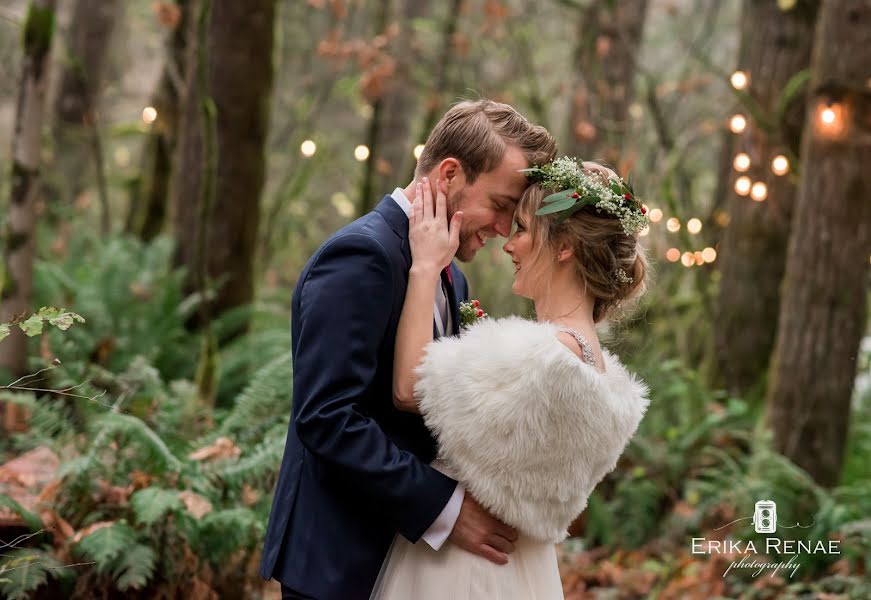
{"points": [[503, 225]]}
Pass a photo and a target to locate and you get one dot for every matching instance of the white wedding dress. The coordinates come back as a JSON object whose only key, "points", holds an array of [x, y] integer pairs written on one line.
{"points": [[529, 430]]}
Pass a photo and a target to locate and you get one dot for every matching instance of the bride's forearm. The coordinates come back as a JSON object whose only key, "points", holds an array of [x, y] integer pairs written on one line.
{"points": [[413, 334]]}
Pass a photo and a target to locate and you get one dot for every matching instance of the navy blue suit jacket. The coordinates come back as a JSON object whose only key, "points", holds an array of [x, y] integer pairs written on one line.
{"points": [[355, 469]]}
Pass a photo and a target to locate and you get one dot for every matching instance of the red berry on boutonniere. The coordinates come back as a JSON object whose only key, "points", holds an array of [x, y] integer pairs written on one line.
{"points": [[627, 196], [470, 313], [643, 210], [475, 303], [480, 313]]}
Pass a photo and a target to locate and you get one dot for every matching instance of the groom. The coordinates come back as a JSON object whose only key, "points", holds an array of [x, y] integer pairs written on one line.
{"points": [[356, 470]]}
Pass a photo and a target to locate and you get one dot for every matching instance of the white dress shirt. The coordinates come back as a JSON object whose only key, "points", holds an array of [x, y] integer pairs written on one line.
{"points": [[441, 528]]}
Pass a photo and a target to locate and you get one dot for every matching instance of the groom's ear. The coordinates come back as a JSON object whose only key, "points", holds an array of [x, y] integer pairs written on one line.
{"points": [[451, 172]]}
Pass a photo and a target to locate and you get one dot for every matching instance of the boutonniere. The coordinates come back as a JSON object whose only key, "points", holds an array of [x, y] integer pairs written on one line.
{"points": [[470, 313]]}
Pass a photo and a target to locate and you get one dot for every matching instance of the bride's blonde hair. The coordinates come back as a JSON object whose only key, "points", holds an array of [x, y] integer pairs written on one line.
{"points": [[601, 248]]}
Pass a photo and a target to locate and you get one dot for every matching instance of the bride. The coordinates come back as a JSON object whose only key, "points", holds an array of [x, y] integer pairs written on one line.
{"points": [[529, 415]]}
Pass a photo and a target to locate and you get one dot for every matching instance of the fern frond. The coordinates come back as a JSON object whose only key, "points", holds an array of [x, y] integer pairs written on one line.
{"points": [[105, 544], [264, 402], [135, 430], [33, 522], [134, 568], [24, 570], [151, 503]]}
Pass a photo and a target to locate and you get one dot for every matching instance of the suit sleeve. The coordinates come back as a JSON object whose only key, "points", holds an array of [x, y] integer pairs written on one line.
{"points": [[345, 307]]}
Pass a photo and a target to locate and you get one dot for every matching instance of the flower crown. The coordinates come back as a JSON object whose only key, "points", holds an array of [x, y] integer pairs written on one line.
{"points": [[579, 189]]}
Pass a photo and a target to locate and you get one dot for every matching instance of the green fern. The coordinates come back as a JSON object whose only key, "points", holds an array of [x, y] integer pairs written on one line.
{"points": [[263, 403], [23, 570], [152, 503], [32, 520], [136, 431], [106, 544], [134, 568]]}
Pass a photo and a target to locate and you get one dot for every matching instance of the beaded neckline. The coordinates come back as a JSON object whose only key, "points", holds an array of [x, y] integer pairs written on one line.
{"points": [[586, 349]]}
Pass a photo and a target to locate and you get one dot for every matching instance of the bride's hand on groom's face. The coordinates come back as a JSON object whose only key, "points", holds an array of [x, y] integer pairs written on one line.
{"points": [[433, 242]]}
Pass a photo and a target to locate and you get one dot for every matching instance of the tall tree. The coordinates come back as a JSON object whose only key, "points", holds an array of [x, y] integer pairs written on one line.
{"points": [[19, 243], [394, 156], [775, 54], [823, 306], [82, 64], [221, 164], [609, 35], [150, 198]]}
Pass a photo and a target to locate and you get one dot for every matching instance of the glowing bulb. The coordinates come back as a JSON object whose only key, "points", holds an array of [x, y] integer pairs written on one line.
{"points": [[827, 116], [759, 191], [361, 152], [418, 150], [655, 215], [742, 186], [780, 165], [697, 255], [741, 162], [644, 232], [149, 114], [738, 123], [694, 225], [709, 254], [688, 259], [308, 148], [673, 255], [722, 218], [673, 224], [739, 80]]}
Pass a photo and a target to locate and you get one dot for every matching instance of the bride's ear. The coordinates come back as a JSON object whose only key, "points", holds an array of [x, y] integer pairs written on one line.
{"points": [[451, 173], [564, 254]]}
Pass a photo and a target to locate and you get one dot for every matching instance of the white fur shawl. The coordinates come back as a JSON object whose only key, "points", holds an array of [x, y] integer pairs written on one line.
{"points": [[526, 426]]}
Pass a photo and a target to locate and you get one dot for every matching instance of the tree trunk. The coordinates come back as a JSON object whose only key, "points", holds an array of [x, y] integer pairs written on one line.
{"points": [[221, 163], [823, 306], [149, 201], [609, 35], [18, 247], [395, 155], [775, 47], [77, 151]]}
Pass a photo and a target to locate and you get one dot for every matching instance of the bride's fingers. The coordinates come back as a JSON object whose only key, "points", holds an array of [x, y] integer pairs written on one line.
{"points": [[417, 206], [440, 204], [500, 543], [427, 199], [456, 225]]}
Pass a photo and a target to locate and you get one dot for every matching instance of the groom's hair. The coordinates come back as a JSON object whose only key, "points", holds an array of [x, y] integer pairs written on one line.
{"points": [[478, 133]]}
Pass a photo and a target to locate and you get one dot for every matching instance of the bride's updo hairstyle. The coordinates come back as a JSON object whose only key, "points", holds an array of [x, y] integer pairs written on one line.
{"points": [[610, 264]]}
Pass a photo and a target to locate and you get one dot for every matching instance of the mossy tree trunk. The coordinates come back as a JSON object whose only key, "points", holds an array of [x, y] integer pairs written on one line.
{"points": [[775, 48], [823, 305], [16, 279], [220, 166], [608, 38]]}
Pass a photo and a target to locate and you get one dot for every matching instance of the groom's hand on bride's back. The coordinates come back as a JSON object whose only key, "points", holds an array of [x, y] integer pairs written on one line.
{"points": [[479, 532]]}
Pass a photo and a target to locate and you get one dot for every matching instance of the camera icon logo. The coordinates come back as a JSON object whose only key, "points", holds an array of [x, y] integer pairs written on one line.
{"points": [[765, 516]]}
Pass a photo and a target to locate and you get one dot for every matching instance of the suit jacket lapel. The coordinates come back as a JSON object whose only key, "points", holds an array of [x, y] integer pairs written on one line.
{"points": [[452, 301]]}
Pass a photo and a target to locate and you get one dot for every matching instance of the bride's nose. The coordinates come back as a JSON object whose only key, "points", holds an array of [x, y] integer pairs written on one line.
{"points": [[508, 247]]}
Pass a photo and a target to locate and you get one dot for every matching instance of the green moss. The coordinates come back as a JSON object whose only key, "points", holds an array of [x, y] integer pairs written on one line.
{"points": [[38, 29]]}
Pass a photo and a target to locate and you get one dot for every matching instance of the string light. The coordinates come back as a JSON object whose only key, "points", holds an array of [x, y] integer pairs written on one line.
{"points": [[149, 114], [742, 186], [694, 225], [308, 148], [738, 123], [709, 254], [698, 256], [831, 119], [780, 165], [759, 191], [739, 80], [688, 259], [741, 162], [655, 215], [673, 255], [361, 152], [673, 224], [418, 150], [645, 231]]}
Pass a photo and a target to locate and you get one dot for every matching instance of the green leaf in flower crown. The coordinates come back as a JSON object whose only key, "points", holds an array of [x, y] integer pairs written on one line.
{"points": [[558, 196], [4, 331], [556, 206], [32, 326], [530, 170], [615, 187]]}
